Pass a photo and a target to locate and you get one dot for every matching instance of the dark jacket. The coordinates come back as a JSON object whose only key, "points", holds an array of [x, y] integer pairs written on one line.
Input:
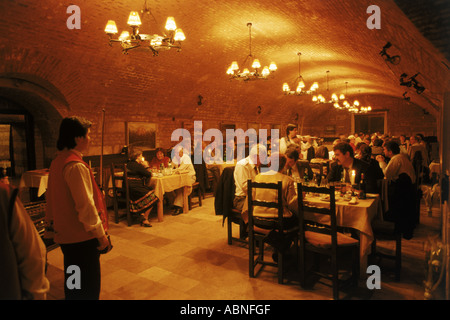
{"points": [[359, 166], [373, 177], [224, 194]]}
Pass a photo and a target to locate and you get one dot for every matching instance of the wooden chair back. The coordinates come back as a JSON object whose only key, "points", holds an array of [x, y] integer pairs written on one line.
{"points": [[121, 194]]}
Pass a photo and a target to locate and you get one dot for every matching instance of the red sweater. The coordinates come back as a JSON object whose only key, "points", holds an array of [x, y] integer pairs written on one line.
{"points": [[61, 206]]}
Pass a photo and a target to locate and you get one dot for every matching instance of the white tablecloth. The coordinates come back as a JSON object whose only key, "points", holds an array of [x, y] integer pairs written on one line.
{"points": [[35, 179]]}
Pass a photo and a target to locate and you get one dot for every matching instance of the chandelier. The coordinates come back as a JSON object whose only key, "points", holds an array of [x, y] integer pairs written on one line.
{"points": [[355, 107], [333, 98], [300, 85], [235, 72], [152, 42]]}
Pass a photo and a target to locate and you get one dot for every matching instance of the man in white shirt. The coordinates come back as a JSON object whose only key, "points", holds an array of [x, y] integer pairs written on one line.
{"points": [[402, 197], [183, 161], [246, 169], [399, 163], [416, 146], [291, 134]]}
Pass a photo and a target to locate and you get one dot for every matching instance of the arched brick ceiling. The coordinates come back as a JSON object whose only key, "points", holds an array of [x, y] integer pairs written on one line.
{"points": [[331, 35]]}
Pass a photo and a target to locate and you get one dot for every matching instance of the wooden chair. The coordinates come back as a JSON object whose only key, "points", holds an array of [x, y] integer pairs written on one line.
{"points": [[260, 228], [119, 178], [384, 231], [325, 240], [196, 190], [223, 205]]}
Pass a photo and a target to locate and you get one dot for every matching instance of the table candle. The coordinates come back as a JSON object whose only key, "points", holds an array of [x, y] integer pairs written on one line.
{"points": [[352, 177]]}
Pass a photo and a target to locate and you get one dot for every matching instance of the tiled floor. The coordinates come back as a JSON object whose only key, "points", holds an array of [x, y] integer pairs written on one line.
{"points": [[187, 257]]}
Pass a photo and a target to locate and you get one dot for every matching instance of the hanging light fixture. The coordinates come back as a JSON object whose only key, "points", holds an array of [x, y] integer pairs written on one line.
{"points": [[152, 42], [355, 107], [245, 74], [300, 87], [333, 98]]}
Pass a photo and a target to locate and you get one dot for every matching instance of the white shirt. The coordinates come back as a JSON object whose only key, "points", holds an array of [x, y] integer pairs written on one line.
{"points": [[31, 253], [398, 164], [185, 165], [78, 179], [244, 170], [285, 142]]}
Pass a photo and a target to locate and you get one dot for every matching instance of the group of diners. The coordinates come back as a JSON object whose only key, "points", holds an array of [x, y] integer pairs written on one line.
{"points": [[375, 157], [140, 171]]}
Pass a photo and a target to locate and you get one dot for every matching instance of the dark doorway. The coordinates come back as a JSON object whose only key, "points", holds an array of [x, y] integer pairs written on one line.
{"points": [[369, 123]]}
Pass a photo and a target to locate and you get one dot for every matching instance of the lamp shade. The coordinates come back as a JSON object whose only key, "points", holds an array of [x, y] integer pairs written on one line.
{"points": [[179, 35], [124, 35], [272, 66], [111, 27], [134, 20], [285, 87], [234, 66], [170, 24], [256, 64], [301, 84], [265, 72]]}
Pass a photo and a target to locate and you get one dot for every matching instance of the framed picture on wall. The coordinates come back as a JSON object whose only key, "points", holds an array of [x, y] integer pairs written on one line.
{"points": [[225, 126], [142, 134]]}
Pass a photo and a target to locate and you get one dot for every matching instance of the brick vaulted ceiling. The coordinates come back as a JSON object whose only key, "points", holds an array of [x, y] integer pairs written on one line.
{"points": [[330, 34]]}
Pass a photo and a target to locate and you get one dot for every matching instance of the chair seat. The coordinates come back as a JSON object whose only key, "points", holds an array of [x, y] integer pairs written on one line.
{"points": [[324, 240]]}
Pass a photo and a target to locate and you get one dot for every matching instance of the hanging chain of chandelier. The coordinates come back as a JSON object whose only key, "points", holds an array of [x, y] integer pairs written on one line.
{"points": [[245, 74], [153, 42], [300, 83]]}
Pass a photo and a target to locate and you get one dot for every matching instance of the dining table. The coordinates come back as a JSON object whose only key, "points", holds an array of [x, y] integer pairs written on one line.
{"points": [[357, 216], [35, 179], [162, 183]]}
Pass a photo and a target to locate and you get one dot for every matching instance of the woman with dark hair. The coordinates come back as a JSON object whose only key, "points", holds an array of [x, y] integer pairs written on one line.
{"points": [[159, 159], [142, 197], [75, 208], [322, 156]]}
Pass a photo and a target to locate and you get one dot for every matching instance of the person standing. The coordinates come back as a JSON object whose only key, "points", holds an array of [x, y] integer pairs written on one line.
{"points": [[74, 208], [291, 134]]}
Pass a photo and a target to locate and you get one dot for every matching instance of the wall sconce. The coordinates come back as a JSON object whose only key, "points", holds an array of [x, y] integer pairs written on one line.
{"points": [[412, 82], [392, 59], [199, 100], [259, 110]]}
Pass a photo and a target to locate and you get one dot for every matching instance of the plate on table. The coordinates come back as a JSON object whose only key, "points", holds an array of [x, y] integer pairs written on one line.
{"points": [[371, 195], [325, 198]]}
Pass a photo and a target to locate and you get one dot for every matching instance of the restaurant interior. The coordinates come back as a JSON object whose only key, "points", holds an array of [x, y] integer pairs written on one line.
{"points": [[388, 60]]}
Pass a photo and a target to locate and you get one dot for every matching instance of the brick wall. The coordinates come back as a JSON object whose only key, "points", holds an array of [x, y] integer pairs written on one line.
{"points": [[76, 72]]}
